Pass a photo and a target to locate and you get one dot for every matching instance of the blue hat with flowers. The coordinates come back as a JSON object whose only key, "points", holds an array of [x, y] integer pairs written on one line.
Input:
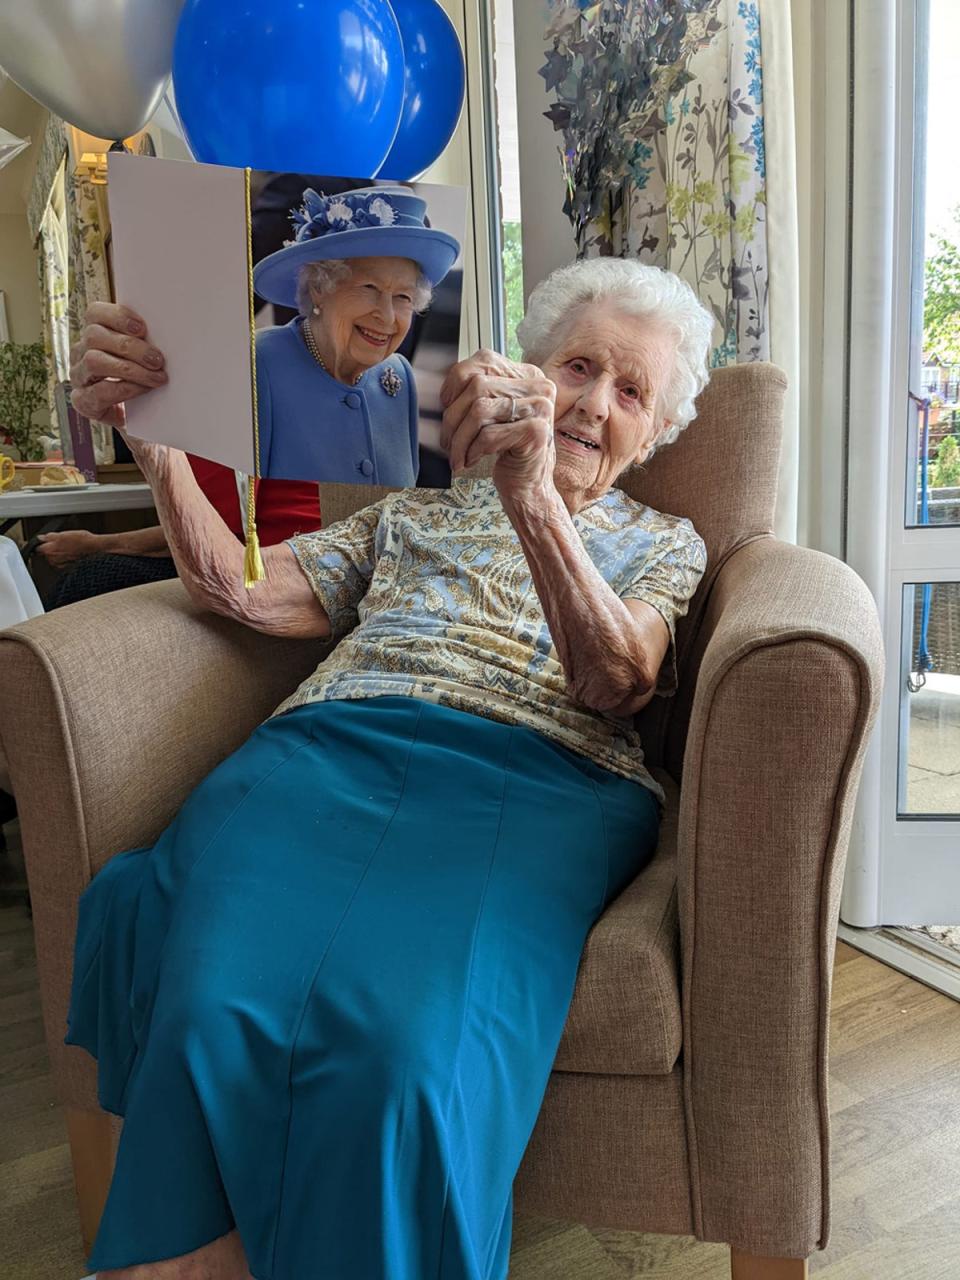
{"points": [[370, 222]]}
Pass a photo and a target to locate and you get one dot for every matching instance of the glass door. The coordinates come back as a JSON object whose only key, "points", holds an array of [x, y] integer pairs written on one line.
{"points": [[920, 861]]}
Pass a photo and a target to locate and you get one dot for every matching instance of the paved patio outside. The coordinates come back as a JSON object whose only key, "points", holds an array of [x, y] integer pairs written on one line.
{"points": [[933, 766]]}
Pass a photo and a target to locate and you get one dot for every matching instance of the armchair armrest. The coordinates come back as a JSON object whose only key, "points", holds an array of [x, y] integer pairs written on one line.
{"points": [[788, 690], [111, 712]]}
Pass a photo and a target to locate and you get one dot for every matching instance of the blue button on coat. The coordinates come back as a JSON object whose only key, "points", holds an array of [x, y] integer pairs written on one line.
{"points": [[313, 427]]}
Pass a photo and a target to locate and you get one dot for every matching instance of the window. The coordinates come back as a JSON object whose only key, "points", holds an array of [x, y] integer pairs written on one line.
{"points": [[509, 158], [929, 737], [930, 710], [933, 490]]}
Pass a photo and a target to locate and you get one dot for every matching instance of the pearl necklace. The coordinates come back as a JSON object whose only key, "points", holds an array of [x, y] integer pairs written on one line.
{"points": [[312, 347]]}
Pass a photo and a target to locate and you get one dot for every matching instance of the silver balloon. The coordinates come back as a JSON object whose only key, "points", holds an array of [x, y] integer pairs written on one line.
{"points": [[100, 64]]}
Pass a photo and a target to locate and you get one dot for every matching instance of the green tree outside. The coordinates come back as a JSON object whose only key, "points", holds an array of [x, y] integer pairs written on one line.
{"points": [[941, 335], [512, 285], [945, 472], [941, 298]]}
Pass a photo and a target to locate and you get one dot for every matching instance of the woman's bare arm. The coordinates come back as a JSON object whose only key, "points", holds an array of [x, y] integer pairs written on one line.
{"points": [[209, 558], [610, 649], [113, 362]]}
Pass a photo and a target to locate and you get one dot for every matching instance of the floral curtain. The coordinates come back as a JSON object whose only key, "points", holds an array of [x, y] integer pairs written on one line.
{"points": [[89, 279], [52, 268], [50, 152], [659, 111], [87, 276]]}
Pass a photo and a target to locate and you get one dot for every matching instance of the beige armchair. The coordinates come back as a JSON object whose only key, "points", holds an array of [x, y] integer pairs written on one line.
{"points": [[689, 1093]]}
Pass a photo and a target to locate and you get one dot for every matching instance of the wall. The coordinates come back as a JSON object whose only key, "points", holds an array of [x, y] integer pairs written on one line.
{"points": [[18, 266], [809, 195], [18, 278], [547, 235]]}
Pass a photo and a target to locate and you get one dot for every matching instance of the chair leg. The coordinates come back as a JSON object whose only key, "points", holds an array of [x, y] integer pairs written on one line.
{"points": [[91, 1150], [749, 1266]]}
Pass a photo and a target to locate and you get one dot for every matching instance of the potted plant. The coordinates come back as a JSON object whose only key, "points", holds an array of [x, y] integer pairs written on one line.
{"points": [[23, 389]]}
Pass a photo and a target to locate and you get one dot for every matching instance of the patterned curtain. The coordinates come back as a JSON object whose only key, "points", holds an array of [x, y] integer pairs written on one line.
{"points": [[50, 152], [89, 279], [52, 267], [660, 110]]}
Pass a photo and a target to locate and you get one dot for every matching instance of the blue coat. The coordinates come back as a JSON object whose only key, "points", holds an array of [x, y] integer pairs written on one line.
{"points": [[313, 427]]}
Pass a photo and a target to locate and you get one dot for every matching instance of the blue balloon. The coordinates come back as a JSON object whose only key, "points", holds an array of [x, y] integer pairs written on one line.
{"points": [[309, 86], [434, 88]]}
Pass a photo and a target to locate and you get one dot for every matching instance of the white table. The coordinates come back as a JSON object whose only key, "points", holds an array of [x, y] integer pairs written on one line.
{"points": [[78, 498]]}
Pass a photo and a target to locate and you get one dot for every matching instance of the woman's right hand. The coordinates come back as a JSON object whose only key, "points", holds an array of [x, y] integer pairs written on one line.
{"points": [[112, 362]]}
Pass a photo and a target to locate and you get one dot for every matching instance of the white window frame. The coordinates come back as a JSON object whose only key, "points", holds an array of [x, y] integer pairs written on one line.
{"points": [[470, 160], [898, 866]]}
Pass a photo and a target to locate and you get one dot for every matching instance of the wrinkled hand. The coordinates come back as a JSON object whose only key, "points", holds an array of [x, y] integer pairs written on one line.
{"points": [[494, 406], [112, 362], [483, 361], [63, 549]]}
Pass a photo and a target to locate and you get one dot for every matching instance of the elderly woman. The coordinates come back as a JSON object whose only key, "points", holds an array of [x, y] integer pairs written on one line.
{"points": [[327, 1000], [336, 400]]}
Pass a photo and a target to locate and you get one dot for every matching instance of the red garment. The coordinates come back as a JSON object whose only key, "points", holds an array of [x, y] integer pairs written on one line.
{"points": [[284, 507]]}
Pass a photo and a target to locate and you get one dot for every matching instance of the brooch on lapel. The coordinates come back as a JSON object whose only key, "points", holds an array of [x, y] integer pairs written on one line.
{"points": [[391, 381]]}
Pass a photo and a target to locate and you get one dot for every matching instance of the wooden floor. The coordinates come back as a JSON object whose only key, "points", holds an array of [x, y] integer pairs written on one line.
{"points": [[895, 1101]]}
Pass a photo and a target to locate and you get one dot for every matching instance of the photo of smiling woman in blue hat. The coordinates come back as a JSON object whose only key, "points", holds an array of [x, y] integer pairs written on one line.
{"points": [[336, 399]]}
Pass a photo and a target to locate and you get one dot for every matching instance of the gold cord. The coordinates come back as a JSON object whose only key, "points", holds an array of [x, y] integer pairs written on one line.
{"points": [[253, 571]]}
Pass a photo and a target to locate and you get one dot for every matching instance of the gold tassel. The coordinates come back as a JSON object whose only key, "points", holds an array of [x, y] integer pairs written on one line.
{"points": [[252, 564], [253, 571]]}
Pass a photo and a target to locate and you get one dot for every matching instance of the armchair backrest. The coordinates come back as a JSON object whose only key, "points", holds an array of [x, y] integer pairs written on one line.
{"points": [[722, 471], [721, 474]]}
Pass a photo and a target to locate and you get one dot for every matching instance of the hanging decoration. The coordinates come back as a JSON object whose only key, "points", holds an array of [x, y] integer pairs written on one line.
{"points": [[434, 86], [289, 86], [10, 146], [660, 111], [612, 66], [101, 65]]}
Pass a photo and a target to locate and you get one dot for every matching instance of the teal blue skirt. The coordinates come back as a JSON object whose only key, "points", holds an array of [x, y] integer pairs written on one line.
{"points": [[327, 1000]]}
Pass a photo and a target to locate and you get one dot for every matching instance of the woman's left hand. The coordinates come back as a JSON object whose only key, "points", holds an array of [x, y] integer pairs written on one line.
{"points": [[493, 406]]}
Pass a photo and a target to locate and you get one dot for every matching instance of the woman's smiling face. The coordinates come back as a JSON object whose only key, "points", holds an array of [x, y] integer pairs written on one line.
{"points": [[610, 369], [367, 315]]}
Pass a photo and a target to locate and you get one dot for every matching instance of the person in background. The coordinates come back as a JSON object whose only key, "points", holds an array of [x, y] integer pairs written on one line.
{"points": [[95, 563]]}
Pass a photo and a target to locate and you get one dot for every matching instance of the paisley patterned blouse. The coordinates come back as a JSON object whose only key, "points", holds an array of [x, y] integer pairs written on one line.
{"points": [[433, 596]]}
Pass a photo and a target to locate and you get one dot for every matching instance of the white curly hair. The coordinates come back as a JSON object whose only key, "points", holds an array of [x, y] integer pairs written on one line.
{"points": [[325, 275], [636, 289]]}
